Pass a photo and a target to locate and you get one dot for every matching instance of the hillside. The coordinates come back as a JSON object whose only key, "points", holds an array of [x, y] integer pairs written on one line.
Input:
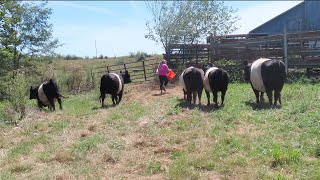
{"points": [[153, 136]]}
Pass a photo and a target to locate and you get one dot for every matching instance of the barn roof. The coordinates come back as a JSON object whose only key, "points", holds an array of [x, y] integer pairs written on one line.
{"points": [[278, 16]]}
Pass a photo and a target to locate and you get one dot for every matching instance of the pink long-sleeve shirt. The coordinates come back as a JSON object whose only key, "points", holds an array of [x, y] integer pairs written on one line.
{"points": [[163, 70]]}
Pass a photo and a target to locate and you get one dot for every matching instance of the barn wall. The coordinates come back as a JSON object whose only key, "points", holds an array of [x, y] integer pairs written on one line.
{"points": [[303, 17], [313, 15]]}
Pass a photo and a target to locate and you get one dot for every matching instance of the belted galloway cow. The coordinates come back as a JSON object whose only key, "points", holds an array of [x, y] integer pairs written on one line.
{"points": [[215, 80], [46, 94], [191, 80], [266, 75], [112, 83]]}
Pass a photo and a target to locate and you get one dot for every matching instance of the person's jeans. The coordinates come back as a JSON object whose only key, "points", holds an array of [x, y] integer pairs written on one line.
{"points": [[163, 82]]}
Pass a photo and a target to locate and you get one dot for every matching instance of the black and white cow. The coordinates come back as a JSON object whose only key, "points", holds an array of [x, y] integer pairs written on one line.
{"points": [[215, 80], [46, 94], [266, 75], [112, 83], [191, 80]]}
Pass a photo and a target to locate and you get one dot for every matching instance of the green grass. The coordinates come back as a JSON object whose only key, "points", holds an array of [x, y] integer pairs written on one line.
{"points": [[150, 136], [87, 143]]}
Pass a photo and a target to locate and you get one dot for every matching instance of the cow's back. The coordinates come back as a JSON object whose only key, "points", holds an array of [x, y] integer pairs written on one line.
{"points": [[48, 91], [42, 96], [255, 74], [111, 83], [206, 78], [181, 80], [193, 79], [273, 73]]}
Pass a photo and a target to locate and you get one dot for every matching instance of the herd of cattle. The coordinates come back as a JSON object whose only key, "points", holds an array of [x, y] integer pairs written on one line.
{"points": [[265, 76]]}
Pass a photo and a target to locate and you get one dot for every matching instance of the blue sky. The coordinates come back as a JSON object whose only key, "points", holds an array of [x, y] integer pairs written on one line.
{"points": [[118, 27]]}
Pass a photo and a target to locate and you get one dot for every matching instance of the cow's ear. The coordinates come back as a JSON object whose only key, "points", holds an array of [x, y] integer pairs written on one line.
{"points": [[30, 87], [245, 63]]}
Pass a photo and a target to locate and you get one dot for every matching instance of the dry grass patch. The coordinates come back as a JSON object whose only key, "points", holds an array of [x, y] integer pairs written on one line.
{"points": [[166, 150], [64, 176], [107, 158], [63, 156]]}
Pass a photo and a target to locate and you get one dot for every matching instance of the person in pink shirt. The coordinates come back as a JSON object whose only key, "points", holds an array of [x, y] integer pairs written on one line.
{"points": [[162, 71]]}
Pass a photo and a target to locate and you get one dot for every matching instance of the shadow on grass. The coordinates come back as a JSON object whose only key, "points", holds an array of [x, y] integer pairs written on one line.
{"points": [[104, 107], [184, 104], [160, 94], [261, 106]]}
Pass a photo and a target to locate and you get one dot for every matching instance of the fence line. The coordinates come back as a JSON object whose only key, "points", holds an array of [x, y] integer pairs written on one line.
{"points": [[139, 71]]}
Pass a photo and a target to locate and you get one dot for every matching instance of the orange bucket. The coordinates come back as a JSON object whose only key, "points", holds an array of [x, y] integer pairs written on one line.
{"points": [[171, 75]]}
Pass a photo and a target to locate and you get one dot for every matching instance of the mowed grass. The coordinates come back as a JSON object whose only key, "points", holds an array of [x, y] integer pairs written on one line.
{"points": [[152, 136]]}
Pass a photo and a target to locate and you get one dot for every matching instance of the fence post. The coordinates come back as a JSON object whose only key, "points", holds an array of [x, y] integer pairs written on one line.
{"points": [[196, 53], [285, 47], [124, 65], [144, 71], [108, 69]]}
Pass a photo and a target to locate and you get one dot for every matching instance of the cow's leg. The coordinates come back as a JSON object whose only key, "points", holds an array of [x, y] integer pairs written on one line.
{"points": [[189, 96], [223, 93], [120, 97], [59, 101], [269, 94], [39, 105], [208, 97], [199, 95], [52, 106], [279, 97], [184, 94], [102, 96], [194, 94], [114, 98], [257, 95], [276, 97], [215, 98], [261, 97]]}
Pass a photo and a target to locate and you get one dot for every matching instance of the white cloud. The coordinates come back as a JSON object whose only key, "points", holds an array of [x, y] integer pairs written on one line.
{"points": [[260, 13]]}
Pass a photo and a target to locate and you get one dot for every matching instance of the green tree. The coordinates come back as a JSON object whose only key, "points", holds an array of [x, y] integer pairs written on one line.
{"points": [[24, 31], [188, 21]]}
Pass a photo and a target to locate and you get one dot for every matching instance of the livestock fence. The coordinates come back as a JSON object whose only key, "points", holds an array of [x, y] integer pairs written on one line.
{"points": [[297, 50], [139, 71]]}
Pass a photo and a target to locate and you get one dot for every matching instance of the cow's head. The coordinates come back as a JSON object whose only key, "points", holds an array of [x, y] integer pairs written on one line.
{"points": [[125, 76], [205, 67], [247, 67], [33, 92]]}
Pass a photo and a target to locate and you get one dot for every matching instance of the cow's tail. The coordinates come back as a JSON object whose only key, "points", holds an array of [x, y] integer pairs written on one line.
{"points": [[60, 95]]}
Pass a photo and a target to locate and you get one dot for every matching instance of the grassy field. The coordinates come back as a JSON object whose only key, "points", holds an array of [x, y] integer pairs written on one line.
{"points": [[153, 136]]}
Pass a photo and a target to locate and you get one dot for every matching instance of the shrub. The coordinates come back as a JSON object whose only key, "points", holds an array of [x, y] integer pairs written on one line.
{"points": [[17, 94]]}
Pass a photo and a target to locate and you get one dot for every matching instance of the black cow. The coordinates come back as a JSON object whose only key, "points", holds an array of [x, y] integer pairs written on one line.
{"points": [[46, 94], [112, 83], [191, 80], [266, 75], [215, 80]]}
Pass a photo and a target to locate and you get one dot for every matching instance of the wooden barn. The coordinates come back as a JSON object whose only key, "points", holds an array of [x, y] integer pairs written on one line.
{"points": [[303, 17]]}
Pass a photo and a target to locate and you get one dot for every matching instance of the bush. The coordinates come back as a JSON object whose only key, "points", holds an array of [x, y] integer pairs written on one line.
{"points": [[17, 95]]}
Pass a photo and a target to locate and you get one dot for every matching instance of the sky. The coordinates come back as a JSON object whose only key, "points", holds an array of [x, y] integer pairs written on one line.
{"points": [[118, 28]]}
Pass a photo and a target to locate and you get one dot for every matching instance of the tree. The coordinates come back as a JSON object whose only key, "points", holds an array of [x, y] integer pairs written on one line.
{"points": [[188, 21], [24, 31]]}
